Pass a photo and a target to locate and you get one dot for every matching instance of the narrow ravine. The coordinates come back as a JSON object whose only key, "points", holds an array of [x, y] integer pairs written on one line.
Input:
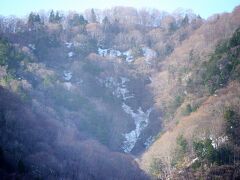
{"points": [[140, 118], [119, 88]]}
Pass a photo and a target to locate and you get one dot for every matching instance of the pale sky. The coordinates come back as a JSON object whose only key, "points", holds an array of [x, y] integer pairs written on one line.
{"points": [[205, 8]]}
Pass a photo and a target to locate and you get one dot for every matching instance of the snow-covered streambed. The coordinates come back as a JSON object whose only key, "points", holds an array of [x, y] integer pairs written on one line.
{"points": [[141, 120], [119, 89]]}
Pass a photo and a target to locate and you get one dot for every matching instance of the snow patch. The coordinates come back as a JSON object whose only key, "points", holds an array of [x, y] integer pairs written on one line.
{"points": [[149, 141], [67, 75], [32, 46], [129, 56], [218, 141], [70, 54], [116, 53], [69, 44], [102, 52], [109, 52]]}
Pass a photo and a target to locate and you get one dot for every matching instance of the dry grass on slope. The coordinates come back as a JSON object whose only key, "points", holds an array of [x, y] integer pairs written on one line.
{"points": [[186, 60], [205, 122], [204, 39]]}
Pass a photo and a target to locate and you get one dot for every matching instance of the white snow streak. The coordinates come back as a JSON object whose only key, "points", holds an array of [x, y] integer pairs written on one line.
{"points": [[141, 121]]}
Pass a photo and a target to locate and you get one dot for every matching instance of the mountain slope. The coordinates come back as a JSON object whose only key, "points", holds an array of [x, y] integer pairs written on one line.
{"points": [[204, 92], [120, 83]]}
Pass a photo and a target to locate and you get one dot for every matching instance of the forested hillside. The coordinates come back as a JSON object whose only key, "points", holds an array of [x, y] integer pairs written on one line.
{"points": [[199, 92], [120, 93]]}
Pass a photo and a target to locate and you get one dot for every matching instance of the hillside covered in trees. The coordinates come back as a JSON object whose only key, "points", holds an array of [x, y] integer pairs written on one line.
{"points": [[120, 93]]}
